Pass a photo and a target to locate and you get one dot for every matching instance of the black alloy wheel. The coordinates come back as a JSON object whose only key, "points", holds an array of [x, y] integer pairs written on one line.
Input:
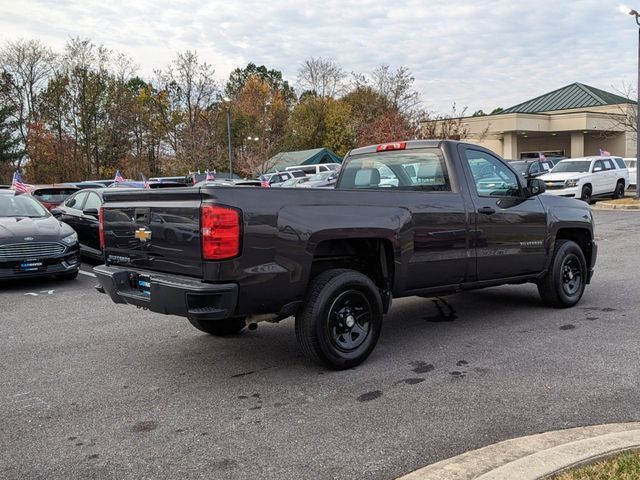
{"points": [[586, 194], [340, 322], [349, 320], [571, 274], [565, 281]]}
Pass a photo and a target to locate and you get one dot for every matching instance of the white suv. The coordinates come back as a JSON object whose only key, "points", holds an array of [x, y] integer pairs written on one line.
{"points": [[587, 177]]}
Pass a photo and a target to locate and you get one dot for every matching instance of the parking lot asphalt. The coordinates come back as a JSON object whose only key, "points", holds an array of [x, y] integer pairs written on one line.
{"points": [[91, 389]]}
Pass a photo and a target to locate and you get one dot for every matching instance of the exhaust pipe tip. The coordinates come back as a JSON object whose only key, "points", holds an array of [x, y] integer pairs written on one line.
{"points": [[253, 326]]}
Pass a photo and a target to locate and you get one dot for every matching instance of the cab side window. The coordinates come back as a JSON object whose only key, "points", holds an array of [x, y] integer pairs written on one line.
{"points": [[93, 201], [76, 201], [492, 177], [598, 166]]}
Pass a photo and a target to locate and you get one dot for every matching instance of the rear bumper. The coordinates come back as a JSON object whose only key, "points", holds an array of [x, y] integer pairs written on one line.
{"points": [[168, 294]]}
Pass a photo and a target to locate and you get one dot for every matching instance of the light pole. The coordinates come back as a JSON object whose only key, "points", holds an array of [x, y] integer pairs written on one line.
{"points": [[227, 106], [636, 15]]}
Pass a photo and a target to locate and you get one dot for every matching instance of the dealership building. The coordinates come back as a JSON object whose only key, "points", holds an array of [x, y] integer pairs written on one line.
{"points": [[573, 121]]}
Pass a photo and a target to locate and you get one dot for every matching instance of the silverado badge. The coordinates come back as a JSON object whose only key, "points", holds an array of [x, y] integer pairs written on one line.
{"points": [[143, 234]]}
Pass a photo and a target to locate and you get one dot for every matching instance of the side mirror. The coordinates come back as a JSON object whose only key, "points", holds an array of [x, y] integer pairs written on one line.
{"points": [[535, 186], [91, 212], [56, 212]]}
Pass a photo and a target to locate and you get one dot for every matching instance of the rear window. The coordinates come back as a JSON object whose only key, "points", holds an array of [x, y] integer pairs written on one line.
{"points": [[416, 169], [620, 162], [53, 195]]}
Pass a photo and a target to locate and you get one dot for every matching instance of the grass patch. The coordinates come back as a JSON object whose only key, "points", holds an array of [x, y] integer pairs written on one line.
{"points": [[625, 466]]}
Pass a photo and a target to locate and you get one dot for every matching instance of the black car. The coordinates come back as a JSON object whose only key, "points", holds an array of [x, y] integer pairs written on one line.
{"points": [[80, 211], [32, 242], [531, 168]]}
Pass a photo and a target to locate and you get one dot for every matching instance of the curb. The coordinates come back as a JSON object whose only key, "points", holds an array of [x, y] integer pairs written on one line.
{"points": [[615, 206], [536, 456]]}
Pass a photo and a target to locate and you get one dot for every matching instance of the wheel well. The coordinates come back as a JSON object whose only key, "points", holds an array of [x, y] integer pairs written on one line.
{"points": [[579, 235], [587, 185], [621, 180], [372, 257]]}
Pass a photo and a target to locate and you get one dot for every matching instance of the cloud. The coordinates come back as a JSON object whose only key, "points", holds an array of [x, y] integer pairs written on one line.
{"points": [[476, 54]]}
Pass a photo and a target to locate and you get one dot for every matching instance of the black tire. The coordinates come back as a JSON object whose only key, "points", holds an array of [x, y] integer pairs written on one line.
{"points": [[586, 194], [219, 328], [619, 191], [341, 320], [68, 276], [564, 283]]}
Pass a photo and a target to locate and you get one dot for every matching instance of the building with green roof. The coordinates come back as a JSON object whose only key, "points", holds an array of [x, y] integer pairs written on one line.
{"points": [[314, 156], [572, 121]]}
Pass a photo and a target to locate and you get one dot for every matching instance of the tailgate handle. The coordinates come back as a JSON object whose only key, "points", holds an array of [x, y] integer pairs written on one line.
{"points": [[142, 215]]}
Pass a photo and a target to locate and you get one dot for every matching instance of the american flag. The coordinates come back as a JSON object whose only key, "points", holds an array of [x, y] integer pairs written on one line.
{"points": [[119, 178], [264, 181], [604, 153], [18, 185], [209, 176], [146, 182]]}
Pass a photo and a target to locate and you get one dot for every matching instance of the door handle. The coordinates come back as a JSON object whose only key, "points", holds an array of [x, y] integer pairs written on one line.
{"points": [[486, 210]]}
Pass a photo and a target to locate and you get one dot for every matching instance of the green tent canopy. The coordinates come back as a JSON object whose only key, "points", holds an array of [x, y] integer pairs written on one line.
{"points": [[314, 156]]}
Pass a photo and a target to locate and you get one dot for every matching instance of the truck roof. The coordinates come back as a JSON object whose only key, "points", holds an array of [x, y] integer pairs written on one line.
{"points": [[409, 145]]}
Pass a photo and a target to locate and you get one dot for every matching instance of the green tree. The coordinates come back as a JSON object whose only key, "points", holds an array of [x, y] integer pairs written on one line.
{"points": [[273, 78]]}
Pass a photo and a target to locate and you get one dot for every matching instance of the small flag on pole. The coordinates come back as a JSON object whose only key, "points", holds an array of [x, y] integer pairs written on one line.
{"points": [[146, 182], [118, 178], [264, 181], [210, 176], [604, 153], [18, 185]]}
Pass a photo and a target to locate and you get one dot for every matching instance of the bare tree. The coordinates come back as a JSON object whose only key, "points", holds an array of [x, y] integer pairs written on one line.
{"points": [[397, 87], [26, 67], [322, 76], [626, 117], [446, 126]]}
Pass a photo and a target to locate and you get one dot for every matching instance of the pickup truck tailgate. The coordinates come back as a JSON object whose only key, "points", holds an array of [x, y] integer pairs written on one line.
{"points": [[156, 230]]}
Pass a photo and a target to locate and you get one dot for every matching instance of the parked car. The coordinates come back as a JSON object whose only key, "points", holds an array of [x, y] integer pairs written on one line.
{"points": [[80, 211], [531, 168], [315, 168], [228, 183], [632, 165], [588, 177], [335, 259], [86, 184], [152, 184], [51, 195], [320, 180], [294, 182], [276, 179], [32, 242]]}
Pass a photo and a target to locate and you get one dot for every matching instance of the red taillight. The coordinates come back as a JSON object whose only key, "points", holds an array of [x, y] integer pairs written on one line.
{"points": [[385, 147], [101, 227], [220, 229]]}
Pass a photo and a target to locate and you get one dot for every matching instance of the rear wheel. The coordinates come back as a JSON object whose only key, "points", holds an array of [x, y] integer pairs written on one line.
{"points": [[619, 191], [565, 281], [586, 194], [341, 320], [220, 328]]}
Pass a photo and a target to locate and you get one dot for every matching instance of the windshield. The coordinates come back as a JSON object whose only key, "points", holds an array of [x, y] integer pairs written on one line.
{"points": [[581, 166], [320, 176], [520, 167], [53, 195], [21, 206]]}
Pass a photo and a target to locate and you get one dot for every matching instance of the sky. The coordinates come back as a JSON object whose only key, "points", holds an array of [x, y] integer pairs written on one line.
{"points": [[478, 54]]}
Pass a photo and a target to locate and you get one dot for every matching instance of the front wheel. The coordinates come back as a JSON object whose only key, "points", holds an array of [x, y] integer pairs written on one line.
{"points": [[341, 320], [586, 194], [564, 283], [219, 328]]}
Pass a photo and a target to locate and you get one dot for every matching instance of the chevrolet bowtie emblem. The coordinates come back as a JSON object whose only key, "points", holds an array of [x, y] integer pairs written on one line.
{"points": [[143, 234]]}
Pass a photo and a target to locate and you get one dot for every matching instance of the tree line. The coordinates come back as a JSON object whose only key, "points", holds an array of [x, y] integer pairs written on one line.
{"points": [[84, 112]]}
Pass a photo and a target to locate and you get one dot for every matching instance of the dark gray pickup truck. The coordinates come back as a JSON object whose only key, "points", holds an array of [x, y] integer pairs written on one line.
{"points": [[409, 218]]}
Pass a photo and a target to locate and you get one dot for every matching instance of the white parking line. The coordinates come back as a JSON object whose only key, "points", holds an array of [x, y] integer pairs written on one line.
{"points": [[88, 274]]}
